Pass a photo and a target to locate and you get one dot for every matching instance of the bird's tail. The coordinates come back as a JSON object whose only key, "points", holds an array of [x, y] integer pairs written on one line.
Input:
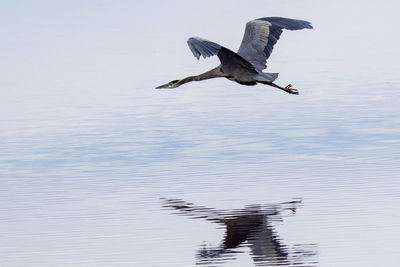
{"points": [[267, 77]]}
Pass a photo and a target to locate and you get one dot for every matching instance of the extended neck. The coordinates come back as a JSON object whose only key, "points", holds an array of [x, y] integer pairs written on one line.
{"points": [[214, 73]]}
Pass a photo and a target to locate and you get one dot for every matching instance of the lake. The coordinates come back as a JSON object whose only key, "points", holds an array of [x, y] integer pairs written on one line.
{"points": [[99, 169]]}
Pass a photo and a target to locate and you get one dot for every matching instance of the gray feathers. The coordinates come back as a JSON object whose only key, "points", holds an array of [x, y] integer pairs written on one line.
{"points": [[230, 60], [258, 41], [288, 24], [200, 46], [254, 41], [262, 34], [277, 24], [246, 65]]}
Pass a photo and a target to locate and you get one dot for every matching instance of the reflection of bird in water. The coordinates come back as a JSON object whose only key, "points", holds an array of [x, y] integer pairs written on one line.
{"points": [[245, 66], [250, 226]]}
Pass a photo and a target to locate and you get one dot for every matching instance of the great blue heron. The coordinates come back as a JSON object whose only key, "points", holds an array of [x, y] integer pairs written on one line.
{"points": [[245, 66]]}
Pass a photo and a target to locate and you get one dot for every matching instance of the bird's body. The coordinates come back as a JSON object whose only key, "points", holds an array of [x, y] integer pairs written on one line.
{"points": [[246, 66]]}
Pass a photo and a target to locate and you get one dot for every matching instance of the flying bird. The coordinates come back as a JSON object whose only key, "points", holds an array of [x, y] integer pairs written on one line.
{"points": [[247, 65]]}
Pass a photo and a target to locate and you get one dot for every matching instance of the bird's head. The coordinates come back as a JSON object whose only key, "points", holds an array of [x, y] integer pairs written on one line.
{"points": [[171, 84]]}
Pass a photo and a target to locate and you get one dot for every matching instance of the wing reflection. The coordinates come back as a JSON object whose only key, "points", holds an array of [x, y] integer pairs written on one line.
{"points": [[251, 227]]}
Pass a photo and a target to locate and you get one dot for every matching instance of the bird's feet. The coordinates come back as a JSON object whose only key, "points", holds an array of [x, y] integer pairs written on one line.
{"points": [[291, 90]]}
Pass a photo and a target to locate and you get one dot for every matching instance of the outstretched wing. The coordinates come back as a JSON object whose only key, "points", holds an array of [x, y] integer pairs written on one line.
{"points": [[229, 59], [203, 47], [262, 34]]}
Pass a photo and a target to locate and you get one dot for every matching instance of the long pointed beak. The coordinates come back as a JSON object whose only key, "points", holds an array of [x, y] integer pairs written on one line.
{"points": [[170, 85], [164, 86]]}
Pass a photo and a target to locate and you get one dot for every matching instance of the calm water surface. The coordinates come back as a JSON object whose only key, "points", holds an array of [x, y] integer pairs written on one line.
{"points": [[100, 169]]}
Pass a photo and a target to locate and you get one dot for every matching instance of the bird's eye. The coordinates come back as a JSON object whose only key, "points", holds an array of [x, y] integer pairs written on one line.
{"points": [[174, 81]]}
